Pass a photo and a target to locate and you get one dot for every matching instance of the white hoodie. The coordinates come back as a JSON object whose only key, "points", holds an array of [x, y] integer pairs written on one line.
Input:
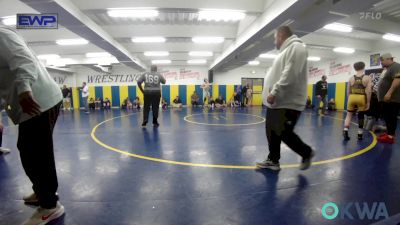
{"points": [[287, 78], [21, 71]]}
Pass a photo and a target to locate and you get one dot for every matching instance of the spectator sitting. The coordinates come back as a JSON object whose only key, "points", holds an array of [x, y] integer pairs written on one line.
{"points": [[220, 102], [308, 103], [107, 104], [211, 103], [164, 104], [235, 100], [92, 104], [129, 104], [98, 103], [177, 103], [136, 103], [332, 105], [126, 104], [195, 99]]}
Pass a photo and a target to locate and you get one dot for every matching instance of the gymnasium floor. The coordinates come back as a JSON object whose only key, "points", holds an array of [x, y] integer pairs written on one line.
{"points": [[197, 169]]}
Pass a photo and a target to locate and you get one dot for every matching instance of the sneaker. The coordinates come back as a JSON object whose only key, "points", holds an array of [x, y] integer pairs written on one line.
{"points": [[4, 150], [268, 164], [43, 216], [346, 135], [386, 139], [31, 199], [306, 162], [360, 137], [156, 124], [144, 124]]}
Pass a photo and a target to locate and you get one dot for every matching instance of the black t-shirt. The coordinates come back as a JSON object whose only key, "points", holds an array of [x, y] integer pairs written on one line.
{"points": [[66, 92], [392, 72], [219, 101], [177, 101], [321, 88], [244, 90]]}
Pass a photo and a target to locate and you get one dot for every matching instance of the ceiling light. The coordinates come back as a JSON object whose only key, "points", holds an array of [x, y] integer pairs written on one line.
{"points": [[49, 56], [254, 63], [344, 50], [137, 13], [201, 53], [197, 61], [97, 54], [314, 58], [208, 40], [221, 15], [9, 20], [77, 41], [157, 53], [163, 61], [268, 56], [148, 39], [338, 27], [391, 37]]}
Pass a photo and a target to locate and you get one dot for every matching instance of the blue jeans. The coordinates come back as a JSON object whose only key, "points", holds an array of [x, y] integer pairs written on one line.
{"points": [[324, 100]]}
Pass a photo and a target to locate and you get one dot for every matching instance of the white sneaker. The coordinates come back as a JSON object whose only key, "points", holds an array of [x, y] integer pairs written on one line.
{"points": [[44, 216], [4, 150], [31, 199], [268, 164]]}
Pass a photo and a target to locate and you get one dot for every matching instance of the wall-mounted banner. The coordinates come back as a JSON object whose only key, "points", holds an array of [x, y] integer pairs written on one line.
{"points": [[112, 78], [315, 72], [338, 69], [183, 74]]}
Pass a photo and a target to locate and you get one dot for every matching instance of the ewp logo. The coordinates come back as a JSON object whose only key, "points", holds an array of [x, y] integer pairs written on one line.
{"points": [[37, 21], [374, 211]]}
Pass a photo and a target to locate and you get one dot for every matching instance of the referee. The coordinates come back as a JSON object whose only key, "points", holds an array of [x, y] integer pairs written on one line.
{"points": [[152, 93]]}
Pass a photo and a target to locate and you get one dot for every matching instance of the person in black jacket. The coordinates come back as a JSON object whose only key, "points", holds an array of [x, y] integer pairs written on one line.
{"points": [[322, 94]]}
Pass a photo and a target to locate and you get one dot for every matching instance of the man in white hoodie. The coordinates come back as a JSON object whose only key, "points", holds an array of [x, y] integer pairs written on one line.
{"points": [[285, 94], [33, 101]]}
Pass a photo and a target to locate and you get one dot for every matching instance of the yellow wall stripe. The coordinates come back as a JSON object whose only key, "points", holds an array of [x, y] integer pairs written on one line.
{"points": [[92, 92], [174, 91], [189, 91], [75, 97], [123, 93], [140, 95], [107, 93], [310, 91], [229, 92], [340, 95], [215, 91]]}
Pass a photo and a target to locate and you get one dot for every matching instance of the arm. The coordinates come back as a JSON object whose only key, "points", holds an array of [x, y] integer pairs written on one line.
{"points": [[395, 85], [286, 78], [162, 79], [368, 92], [139, 82], [23, 64]]}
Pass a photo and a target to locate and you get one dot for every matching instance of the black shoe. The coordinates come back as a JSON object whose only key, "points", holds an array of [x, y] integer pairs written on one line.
{"points": [[144, 124], [306, 162], [360, 137], [156, 124], [346, 135]]}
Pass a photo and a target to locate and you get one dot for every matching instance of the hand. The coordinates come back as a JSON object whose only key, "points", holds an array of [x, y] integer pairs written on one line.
{"points": [[271, 99], [387, 97], [319, 96], [367, 107], [28, 104]]}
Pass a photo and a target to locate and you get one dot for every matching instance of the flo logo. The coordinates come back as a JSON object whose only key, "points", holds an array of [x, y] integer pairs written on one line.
{"points": [[355, 210]]}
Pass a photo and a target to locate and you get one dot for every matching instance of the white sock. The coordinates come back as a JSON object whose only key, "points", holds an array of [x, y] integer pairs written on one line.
{"points": [[346, 129], [360, 131]]}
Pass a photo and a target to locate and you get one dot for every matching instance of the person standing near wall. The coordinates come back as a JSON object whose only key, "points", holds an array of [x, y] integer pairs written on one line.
{"points": [[152, 93], [206, 91], [33, 101], [85, 95], [321, 91], [284, 94], [389, 95], [66, 97]]}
